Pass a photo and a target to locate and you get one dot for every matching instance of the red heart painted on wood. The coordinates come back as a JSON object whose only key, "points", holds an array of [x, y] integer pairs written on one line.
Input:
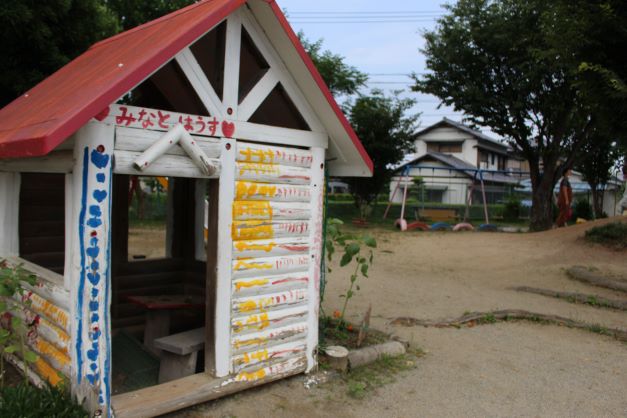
{"points": [[103, 114], [228, 129]]}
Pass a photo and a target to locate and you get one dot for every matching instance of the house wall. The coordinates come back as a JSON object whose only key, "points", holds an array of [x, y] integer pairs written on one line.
{"points": [[446, 134], [43, 308], [276, 237]]}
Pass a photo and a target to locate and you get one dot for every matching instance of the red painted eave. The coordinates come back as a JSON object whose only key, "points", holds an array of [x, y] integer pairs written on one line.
{"points": [[50, 112], [41, 119]]}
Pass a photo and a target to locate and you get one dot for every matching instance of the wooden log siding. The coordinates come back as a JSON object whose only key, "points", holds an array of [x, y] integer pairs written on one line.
{"points": [[271, 260], [131, 143], [45, 306]]}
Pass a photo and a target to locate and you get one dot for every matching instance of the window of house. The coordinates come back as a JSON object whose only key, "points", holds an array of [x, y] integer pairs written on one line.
{"points": [[445, 147]]}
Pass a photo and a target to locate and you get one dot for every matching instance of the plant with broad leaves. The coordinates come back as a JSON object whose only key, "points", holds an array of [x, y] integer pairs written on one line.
{"points": [[13, 330], [357, 251]]}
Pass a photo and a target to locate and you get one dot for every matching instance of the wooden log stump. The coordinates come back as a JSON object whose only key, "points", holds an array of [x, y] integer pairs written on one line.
{"points": [[366, 355], [338, 357]]}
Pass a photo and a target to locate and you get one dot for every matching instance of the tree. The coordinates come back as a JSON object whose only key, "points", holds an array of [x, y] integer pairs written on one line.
{"points": [[39, 37], [499, 62], [133, 13], [596, 35], [341, 78], [387, 134], [598, 158]]}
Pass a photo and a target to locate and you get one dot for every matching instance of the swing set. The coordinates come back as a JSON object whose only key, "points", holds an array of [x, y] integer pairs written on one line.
{"points": [[478, 173]]}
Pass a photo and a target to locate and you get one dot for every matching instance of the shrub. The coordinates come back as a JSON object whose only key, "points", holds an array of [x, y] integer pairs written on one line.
{"points": [[511, 211], [612, 235], [28, 401], [582, 209]]}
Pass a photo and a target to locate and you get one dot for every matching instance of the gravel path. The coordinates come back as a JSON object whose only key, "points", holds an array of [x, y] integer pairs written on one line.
{"points": [[502, 370]]}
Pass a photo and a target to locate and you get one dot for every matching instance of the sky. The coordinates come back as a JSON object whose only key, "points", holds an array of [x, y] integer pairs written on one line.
{"points": [[382, 39]]}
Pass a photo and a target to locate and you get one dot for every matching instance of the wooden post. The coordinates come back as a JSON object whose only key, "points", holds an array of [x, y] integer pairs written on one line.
{"points": [[200, 218], [90, 275], [9, 214], [222, 320], [212, 277], [315, 238]]}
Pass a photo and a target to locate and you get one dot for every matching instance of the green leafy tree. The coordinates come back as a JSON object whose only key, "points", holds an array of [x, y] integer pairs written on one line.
{"points": [[387, 133], [133, 13], [39, 37], [500, 63], [341, 78], [595, 33], [598, 158]]}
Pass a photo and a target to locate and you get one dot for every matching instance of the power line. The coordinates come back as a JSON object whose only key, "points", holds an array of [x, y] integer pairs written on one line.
{"points": [[301, 22], [337, 12]]}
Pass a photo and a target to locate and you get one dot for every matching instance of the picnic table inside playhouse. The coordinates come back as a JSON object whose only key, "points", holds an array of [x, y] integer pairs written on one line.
{"points": [[159, 310]]}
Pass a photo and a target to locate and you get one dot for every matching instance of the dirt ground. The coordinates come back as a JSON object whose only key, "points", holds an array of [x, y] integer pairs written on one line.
{"points": [[506, 369]]}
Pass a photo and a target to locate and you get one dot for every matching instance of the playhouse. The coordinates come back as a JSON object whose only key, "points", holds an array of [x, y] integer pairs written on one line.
{"points": [[221, 100]]}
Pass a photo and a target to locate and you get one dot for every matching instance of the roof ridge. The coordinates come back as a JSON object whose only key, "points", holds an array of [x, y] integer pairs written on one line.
{"points": [[148, 24]]}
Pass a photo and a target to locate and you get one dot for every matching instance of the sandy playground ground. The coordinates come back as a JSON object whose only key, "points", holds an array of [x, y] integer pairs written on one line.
{"points": [[508, 369]]}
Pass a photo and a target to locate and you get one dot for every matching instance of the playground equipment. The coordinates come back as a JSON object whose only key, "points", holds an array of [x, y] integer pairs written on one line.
{"points": [[406, 179]]}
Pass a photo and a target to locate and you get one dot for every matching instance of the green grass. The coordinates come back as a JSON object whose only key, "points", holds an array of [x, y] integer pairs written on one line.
{"points": [[28, 401], [362, 381], [613, 235]]}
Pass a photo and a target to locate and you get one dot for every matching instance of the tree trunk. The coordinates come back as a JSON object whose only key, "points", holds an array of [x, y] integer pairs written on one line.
{"points": [[542, 206], [597, 201]]}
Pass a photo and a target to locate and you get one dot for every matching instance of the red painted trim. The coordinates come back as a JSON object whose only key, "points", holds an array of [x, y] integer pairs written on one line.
{"points": [[320, 82], [33, 147]]}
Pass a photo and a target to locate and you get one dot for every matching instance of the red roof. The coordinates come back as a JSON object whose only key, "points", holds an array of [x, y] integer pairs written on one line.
{"points": [[39, 120]]}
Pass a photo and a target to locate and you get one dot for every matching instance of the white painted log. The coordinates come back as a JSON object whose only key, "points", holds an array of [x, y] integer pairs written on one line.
{"points": [[277, 318], [338, 357], [139, 140], [267, 154], [315, 239], [197, 78], [266, 284], [270, 248], [276, 63], [224, 266], [91, 270], [9, 214], [262, 303], [58, 316], [177, 135], [230, 91], [270, 265], [166, 166], [247, 190], [273, 173], [257, 95], [243, 343], [200, 218], [196, 154], [249, 230], [366, 355], [273, 369], [46, 329], [19, 364], [279, 352], [50, 285], [267, 210], [200, 125], [55, 162]]}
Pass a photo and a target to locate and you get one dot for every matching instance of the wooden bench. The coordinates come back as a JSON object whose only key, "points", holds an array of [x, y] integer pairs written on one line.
{"points": [[179, 354], [438, 215]]}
